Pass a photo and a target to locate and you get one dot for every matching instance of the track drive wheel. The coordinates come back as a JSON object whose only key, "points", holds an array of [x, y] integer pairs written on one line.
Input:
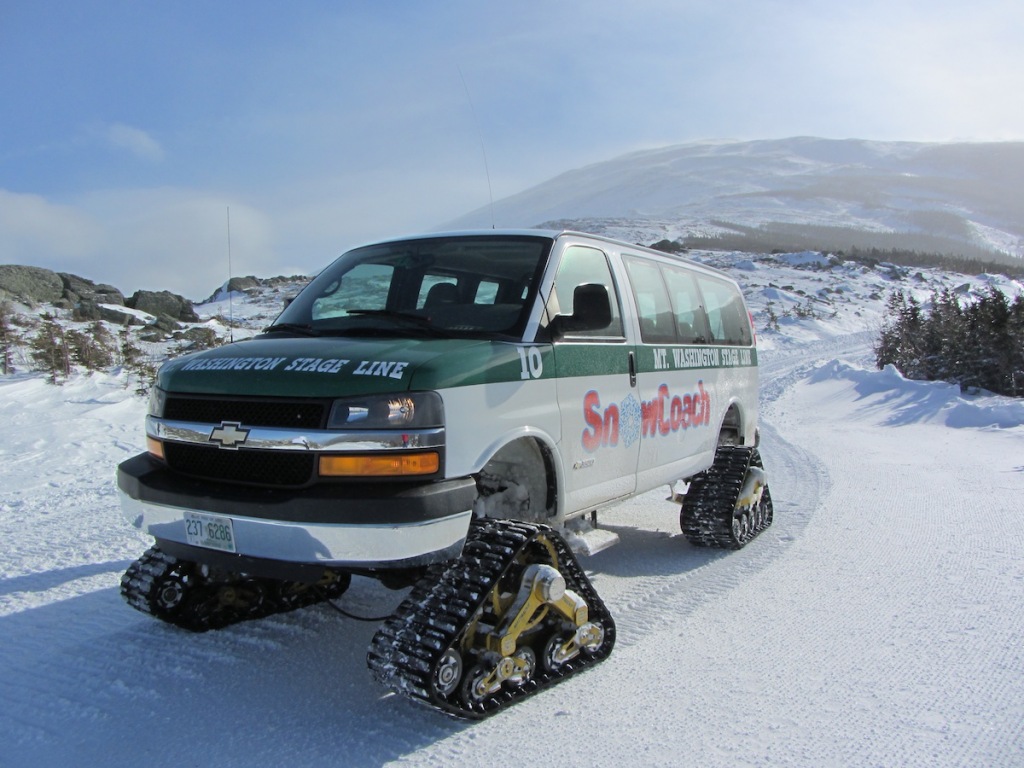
{"points": [[512, 616]]}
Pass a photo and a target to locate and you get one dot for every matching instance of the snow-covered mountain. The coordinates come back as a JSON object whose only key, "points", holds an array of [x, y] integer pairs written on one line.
{"points": [[807, 192]]}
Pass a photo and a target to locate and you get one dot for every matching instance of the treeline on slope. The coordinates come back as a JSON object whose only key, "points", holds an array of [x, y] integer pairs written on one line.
{"points": [[980, 345], [869, 248]]}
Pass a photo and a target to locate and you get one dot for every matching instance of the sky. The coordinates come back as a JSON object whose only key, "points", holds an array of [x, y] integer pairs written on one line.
{"points": [[151, 144]]}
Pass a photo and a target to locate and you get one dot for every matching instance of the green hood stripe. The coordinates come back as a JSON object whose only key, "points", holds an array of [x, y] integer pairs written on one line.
{"points": [[300, 367]]}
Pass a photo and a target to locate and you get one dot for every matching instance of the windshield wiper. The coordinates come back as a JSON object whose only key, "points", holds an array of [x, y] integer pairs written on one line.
{"points": [[408, 317], [304, 328]]}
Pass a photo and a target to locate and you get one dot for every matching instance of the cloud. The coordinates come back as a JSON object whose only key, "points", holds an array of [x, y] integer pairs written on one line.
{"points": [[156, 239], [135, 141], [33, 229], [177, 239]]}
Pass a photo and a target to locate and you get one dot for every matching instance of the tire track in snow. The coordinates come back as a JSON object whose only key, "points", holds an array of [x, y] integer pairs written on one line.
{"points": [[665, 577], [903, 591]]}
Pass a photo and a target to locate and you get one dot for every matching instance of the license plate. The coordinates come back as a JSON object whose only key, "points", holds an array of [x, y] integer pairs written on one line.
{"points": [[209, 531]]}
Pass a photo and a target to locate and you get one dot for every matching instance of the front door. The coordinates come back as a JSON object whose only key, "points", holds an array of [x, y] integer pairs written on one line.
{"points": [[597, 398]]}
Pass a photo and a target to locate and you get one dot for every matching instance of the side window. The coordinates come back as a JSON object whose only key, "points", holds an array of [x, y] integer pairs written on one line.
{"points": [[727, 320], [580, 266], [657, 326], [364, 287], [435, 290], [486, 293], [687, 306]]}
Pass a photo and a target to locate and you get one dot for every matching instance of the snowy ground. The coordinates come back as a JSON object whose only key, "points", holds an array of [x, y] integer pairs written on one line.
{"points": [[877, 623]]}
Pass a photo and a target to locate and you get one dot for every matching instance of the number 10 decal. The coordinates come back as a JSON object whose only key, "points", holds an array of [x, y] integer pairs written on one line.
{"points": [[533, 363]]}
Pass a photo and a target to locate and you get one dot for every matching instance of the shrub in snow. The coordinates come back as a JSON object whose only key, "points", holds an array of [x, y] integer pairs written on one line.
{"points": [[980, 345]]}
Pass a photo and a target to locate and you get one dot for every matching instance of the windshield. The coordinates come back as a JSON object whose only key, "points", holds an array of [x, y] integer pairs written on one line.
{"points": [[481, 285]]}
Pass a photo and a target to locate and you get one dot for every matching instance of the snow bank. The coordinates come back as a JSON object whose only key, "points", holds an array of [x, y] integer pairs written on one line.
{"points": [[803, 259], [143, 317], [905, 401]]}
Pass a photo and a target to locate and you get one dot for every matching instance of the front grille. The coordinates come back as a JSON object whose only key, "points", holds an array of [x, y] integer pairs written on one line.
{"points": [[267, 468], [249, 412]]}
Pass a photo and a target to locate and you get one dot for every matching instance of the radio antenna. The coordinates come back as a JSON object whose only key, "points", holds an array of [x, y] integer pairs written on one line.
{"points": [[231, 314], [483, 149]]}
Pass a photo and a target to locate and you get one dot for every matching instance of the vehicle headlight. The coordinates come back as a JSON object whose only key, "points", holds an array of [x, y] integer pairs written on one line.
{"points": [[157, 401], [408, 410]]}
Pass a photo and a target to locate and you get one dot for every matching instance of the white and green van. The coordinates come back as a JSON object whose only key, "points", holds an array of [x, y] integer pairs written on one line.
{"points": [[427, 403]]}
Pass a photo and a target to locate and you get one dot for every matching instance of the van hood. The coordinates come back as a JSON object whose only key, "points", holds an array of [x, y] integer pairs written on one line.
{"points": [[337, 367]]}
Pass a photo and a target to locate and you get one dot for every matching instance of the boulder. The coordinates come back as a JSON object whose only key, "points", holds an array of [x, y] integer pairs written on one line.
{"points": [[110, 313], [84, 297], [196, 338], [249, 285], [153, 335], [243, 284], [166, 323], [163, 303], [33, 284], [77, 289]]}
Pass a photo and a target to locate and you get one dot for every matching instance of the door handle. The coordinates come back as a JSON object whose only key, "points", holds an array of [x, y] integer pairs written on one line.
{"points": [[632, 369]]}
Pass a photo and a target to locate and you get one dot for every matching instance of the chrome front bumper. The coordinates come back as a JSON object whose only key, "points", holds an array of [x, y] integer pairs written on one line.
{"points": [[337, 525]]}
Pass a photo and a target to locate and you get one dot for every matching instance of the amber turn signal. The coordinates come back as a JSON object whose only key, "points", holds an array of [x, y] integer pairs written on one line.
{"points": [[399, 465], [155, 447]]}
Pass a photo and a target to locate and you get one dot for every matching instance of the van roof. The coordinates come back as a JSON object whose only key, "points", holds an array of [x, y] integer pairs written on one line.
{"points": [[554, 234]]}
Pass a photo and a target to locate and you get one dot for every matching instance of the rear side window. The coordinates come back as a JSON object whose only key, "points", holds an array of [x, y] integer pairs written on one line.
{"points": [[657, 324], [727, 319], [679, 306], [687, 306]]}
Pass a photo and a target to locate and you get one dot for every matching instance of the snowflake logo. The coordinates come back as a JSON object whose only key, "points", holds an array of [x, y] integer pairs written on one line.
{"points": [[629, 420]]}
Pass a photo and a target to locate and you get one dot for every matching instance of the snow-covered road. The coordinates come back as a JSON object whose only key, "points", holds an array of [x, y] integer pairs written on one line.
{"points": [[877, 623]]}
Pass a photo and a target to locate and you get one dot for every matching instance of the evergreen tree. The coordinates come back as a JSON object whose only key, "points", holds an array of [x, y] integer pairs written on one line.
{"points": [[1016, 361], [128, 353], [943, 339], [900, 342], [50, 349], [990, 327], [91, 350], [135, 362], [911, 340], [888, 342], [9, 338]]}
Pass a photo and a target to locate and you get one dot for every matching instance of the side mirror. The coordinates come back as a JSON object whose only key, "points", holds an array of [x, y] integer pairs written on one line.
{"points": [[591, 311]]}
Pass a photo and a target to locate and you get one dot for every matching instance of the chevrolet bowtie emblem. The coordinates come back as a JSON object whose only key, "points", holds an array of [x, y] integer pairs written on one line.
{"points": [[229, 434]]}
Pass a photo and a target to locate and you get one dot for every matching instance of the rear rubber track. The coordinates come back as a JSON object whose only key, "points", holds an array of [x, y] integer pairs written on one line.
{"points": [[198, 599], [709, 516]]}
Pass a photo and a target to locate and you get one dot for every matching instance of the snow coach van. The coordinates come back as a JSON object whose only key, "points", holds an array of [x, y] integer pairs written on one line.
{"points": [[449, 413]]}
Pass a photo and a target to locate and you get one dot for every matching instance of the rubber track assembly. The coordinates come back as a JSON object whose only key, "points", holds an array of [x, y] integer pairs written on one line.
{"points": [[195, 598], [439, 645], [714, 514]]}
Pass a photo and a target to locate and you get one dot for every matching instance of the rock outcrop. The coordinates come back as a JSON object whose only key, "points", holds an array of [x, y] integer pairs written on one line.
{"points": [[31, 284]]}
